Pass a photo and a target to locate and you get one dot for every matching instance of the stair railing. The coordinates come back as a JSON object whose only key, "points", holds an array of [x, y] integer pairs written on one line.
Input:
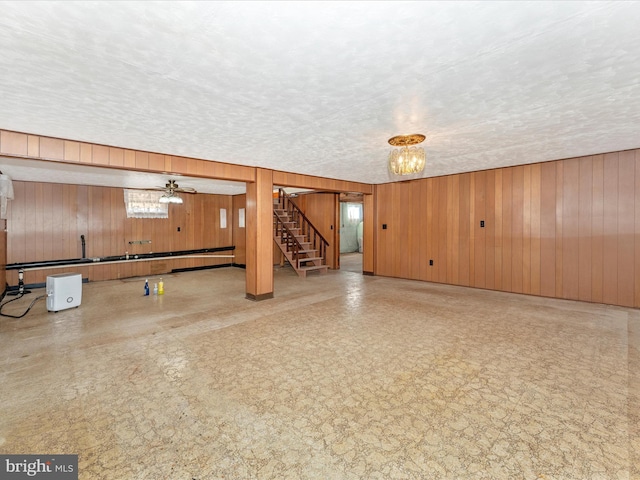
{"points": [[287, 238], [318, 242]]}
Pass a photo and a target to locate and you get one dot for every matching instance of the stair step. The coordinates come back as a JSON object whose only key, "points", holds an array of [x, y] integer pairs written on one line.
{"points": [[302, 271], [309, 259]]}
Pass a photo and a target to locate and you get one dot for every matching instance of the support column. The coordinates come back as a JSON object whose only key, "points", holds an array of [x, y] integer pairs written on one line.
{"points": [[259, 222]]}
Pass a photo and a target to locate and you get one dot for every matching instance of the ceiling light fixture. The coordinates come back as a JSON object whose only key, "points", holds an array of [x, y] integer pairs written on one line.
{"points": [[170, 198], [407, 159]]}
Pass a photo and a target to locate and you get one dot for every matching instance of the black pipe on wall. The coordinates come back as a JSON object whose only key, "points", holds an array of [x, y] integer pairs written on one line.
{"points": [[115, 258]]}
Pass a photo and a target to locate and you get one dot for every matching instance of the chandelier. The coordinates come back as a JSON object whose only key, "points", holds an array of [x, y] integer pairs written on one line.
{"points": [[408, 159]]}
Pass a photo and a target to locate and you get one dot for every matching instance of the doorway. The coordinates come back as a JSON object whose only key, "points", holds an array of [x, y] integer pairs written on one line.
{"points": [[351, 235]]}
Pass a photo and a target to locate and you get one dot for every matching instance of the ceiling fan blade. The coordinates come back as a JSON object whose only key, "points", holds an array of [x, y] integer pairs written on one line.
{"points": [[185, 190]]}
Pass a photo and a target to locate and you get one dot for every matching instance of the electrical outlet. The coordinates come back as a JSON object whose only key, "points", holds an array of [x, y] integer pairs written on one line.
{"points": [[431, 263], [481, 223]]}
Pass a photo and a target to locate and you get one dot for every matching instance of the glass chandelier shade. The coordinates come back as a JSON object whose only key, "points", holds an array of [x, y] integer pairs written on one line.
{"points": [[170, 198], [408, 159]]}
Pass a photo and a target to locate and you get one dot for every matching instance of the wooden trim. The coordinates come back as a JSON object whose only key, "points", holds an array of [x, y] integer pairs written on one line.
{"points": [[36, 147], [297, 180]]}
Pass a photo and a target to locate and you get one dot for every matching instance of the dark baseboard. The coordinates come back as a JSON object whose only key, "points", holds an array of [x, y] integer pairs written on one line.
{"points": [[258, 298], [14, 288], [367, 273]]}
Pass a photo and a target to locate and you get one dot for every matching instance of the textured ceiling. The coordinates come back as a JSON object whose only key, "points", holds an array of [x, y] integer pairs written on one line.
{"points": [[319, 87]]}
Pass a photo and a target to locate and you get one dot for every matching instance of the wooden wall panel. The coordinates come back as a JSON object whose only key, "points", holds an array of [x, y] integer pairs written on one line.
{"points": [[422, 227], [534, 228], [384, 238], [499, 237], [507, 225], [610, 228], [517, 222], [526, 229], [45, 222], [570, 229], [402, 250], [450, 238], [432, 221], [414, 233], [597, 228], [397, 234], [444, 242], [626, 223], [479, 181], [460, 191], [489, 230], [12, 143], [565, 229], [558, 212], [585, 234]]}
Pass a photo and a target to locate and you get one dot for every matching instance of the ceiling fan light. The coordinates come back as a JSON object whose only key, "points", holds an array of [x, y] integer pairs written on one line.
{"points": [[164, 199], [175, 199]]}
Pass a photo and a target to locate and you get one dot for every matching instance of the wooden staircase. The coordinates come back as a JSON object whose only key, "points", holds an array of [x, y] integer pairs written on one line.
{"points": [[300, 242]]}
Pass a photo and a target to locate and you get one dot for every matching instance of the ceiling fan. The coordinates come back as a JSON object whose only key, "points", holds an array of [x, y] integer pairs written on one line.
{"points": [[171, 189]]}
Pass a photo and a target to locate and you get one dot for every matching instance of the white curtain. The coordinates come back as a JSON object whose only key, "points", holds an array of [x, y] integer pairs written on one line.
{"points": [[6, 193], [145, 204]]}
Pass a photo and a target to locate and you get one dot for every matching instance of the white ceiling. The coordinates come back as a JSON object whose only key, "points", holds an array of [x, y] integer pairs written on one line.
{"points": [[319, 87]]}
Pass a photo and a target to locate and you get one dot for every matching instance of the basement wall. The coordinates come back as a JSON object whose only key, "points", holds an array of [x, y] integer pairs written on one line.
{"points": [[565, 229], [45, 222]]}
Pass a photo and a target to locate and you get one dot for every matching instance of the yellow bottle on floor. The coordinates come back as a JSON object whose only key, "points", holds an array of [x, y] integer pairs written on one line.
{"points": [[160, 287]]}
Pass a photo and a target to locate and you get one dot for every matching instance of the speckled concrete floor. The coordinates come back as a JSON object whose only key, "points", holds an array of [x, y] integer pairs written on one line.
{"points": [[340, 376]]}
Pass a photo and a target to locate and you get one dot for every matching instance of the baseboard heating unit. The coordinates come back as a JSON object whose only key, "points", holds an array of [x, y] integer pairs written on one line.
{"points": [[64, 291]]}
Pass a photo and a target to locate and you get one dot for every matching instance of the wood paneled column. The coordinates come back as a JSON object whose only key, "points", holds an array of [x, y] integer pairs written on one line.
{"points": [[259, 223]]}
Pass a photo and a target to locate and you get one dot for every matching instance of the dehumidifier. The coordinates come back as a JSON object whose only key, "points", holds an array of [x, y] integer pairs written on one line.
{"points": [[63, 291]]}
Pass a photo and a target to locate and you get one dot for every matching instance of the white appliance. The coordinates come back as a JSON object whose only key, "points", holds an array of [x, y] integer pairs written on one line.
{"points": [[63, 291]]}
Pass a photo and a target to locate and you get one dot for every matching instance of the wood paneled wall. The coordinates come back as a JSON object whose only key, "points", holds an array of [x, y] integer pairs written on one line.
{"points": [[323, 210], [45, 222], [566, 229], [239, 233]]}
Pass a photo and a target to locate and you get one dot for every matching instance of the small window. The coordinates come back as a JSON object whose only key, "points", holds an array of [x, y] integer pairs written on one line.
{"points": [[145, 204], [354, 212]]}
